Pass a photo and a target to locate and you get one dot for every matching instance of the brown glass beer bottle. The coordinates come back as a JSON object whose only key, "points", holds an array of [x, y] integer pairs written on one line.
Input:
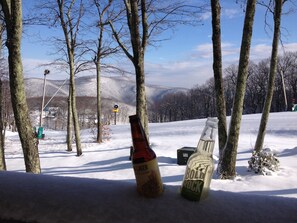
{"points": [[144, 160]]}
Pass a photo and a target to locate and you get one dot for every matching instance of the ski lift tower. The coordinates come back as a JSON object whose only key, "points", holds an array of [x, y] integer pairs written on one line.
{"points": [[40, 129]]}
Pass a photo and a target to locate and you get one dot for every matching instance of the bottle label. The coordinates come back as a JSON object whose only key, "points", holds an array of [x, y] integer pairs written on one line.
{"points": [[192, 189], [194, 183], [148, 178]]}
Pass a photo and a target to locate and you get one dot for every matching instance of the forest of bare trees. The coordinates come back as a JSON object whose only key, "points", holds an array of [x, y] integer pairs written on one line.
{"points": [[199, 102]]}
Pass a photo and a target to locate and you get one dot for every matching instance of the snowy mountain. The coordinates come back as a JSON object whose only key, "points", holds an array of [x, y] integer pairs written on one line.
{"points": [[119, 88]]}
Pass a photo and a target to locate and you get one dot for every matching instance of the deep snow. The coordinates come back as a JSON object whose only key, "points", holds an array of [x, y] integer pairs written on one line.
{"points": [[100, 186]]}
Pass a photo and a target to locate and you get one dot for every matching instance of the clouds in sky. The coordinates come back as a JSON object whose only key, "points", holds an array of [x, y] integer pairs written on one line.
{"points": [[34, 68], [187, 58], [196, 67], [231, 51], [231, 13], [177, 74], [205, 50]]}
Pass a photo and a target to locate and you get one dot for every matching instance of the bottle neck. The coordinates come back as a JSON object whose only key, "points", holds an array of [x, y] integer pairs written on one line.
{"points": [[138, 135], [205, 147], [207, 139]]}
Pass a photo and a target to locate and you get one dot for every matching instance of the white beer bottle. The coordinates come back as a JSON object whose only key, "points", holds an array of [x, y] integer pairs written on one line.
{"points": [[200, 165]]}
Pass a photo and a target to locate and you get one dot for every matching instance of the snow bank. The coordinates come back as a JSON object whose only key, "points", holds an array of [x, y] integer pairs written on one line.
{"points": [[48, 199]]}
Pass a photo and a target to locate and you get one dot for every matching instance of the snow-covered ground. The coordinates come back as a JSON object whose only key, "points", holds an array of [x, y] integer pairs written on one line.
{"points": [[100, 185]]}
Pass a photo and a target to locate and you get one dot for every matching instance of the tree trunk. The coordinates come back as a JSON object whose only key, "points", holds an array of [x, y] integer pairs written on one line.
{"points": [[74, 114], [99, 110], [272, 74], [69, 122], [2, 130], [138, 43], [284, 90], [13, 17], [101, 52], [227, 167], [141, 104], [138, 46], [70, 30], [2, 155], [218, 77], [97, 61]]}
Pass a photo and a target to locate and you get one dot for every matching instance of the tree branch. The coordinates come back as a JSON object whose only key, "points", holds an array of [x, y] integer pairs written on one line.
{"points": [[115, 34]]}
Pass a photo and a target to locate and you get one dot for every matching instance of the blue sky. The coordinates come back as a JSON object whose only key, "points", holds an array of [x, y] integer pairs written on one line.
{"points": [[185, 60]]}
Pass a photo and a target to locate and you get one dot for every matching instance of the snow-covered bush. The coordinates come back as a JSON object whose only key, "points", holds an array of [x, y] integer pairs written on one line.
{"points": [[263, 162]]}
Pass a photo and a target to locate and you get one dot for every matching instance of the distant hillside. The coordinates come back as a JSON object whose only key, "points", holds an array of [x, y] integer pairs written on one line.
{"points": [[118, 89]]}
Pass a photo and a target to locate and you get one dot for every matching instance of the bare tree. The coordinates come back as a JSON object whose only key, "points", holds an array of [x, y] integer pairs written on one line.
{"points": [[67, 15], [287, 74], [218, 76], [69, 136], [287, 64], [256, 86], [70, 26], [273, 68], [146, 18], [228, 162], [230, 74], [13, 20], [104, 16], [2, 155], [5, 108], [2, 131], [138, 38], [2, 136]]}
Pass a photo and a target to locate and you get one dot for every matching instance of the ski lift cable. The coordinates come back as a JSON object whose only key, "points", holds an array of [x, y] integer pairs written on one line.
{"points": [[55, 93]]}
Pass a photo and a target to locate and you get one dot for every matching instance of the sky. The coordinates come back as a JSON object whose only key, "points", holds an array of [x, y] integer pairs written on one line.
{"points": [[100, 185], [185, 59]]}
